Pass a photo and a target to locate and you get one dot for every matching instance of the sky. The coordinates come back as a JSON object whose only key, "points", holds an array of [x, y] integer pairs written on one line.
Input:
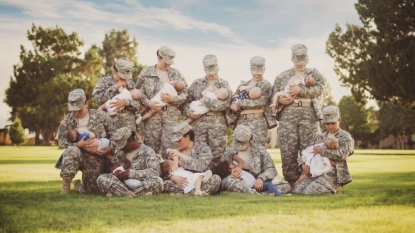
{"points": [[233, 30]]}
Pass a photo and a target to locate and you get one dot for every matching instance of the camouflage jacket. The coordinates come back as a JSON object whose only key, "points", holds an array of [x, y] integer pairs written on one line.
{"points": [[340, 156], [306, 92], [199, 158], [260, 161], [149, 84], [106, 89], [144, 164], [99, 123], [194, 92]]}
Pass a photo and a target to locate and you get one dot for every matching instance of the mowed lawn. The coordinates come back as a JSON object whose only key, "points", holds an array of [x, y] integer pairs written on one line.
{"points": [[381, 198]]}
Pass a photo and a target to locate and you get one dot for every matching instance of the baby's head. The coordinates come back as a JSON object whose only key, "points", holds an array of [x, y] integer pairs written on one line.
{"points": [[255, 93], [224, 169], [222, 93], [179, 86], [332, 143], [113, 166], [135, 94], [310, 81], [72, 135], [165, 167]]}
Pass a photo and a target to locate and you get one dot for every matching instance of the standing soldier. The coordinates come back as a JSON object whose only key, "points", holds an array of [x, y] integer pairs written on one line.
{"points": [[298, 121], [82, 119], [210, 128], [157, 129], [107, 87]]}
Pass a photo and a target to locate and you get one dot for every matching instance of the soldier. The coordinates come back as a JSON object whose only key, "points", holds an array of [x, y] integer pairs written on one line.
{"points": [[253, 114], [256, 160], [145, 167], [107, 88], [210, 128], [73, 159], [158, 128], [329, 182], [298, 121], [193, 156]]}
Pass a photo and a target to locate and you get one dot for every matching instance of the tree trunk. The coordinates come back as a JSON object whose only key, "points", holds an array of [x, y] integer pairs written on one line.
{"points": [[37, 137], [46, 137]]}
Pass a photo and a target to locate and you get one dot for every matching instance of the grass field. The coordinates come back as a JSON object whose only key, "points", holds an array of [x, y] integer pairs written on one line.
{"points": [[381, 198]]}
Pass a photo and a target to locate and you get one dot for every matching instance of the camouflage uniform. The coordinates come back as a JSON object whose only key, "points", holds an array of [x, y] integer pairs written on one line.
{"points": [[145, 167], [158, 127], [106, 89], [298, 125], [260, 161], [198, 160], [211, 127], [73, 159]]}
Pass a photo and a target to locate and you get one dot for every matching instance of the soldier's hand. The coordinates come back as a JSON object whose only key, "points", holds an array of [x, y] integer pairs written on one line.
{"points": [[194, 115], [166, 98], [234, 107], [236, 174], [285, 100], [173, 153], [85, 144], [180, 181], [119, 103], [155, 106], [122, 175], [316, 149], [258, 184], [295, 90]]}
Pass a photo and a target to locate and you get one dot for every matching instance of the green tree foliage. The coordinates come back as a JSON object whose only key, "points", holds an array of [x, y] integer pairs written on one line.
{"points": [[395, 120], [44, 77], [117, 44], [356, 119], [326, 98], [16, 132], [377, 60]]}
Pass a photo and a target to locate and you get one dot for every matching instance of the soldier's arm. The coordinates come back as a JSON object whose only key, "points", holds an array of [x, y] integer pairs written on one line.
{"points": [[344, 151], [152, 167], [62, 140], [201, 161], [277, 88], [102, 94], [180, 98], [260, 102], [228, 154], [219, 105], [141, 84], [132, 104], [110, 126], [314, 91], [190, 97], [268, 166]]}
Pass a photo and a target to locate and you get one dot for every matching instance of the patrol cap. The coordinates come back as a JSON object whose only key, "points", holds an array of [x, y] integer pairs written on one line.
{"points": [[299, 54], [120, 137], [241, 137], [330, 114], [76, 100], [180, 130], [257, 65], [124, 68], [167, 54], [210, 64]]}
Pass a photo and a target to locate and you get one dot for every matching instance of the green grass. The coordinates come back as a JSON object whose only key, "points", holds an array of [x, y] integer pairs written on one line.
{"points": [[381, 198]]}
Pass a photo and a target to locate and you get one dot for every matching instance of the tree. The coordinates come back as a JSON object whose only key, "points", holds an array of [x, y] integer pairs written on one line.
{"points": [[326, 98], [117, 44], [377, 60], [395, 120], [41, 83], [17, 134]]}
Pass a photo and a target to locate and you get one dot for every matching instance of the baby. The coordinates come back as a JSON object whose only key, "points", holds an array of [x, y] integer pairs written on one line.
{"points": [[124, 93], [308, 81], [318, 165], [247, 92], [114, 168], [198, 107], [173, 88], [194, 179], [97, 144]]}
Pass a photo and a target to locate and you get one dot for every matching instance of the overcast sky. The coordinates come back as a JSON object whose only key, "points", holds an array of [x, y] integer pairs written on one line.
{"points": [[233, 30]]}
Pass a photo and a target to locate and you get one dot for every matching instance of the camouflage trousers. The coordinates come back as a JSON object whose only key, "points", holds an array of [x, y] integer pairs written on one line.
{"points": [[108, 183], [211, 186], [90, 165], [297, 129], [125, 119], [232, 184], [259, 129], [212, 130], [324, 184], [158, 129]]}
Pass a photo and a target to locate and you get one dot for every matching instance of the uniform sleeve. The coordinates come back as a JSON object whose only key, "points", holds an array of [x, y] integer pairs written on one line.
{"points": [[344, 151], [219, 105], [181, 98], [110, 126], [276, 87], [314, 91], [141, 83], [190, 97], [229, 153], [62, 140], [268, 166], [200, 161], [152, 167], [132, 104], [260, 102], [102, 94]]}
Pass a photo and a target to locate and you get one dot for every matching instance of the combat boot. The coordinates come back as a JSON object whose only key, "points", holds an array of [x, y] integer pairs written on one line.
{"points": [[77, 185], [66, 185]]}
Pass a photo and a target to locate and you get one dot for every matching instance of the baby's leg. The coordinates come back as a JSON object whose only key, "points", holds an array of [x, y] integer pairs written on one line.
{"points": [[267, 186], [305, 173], [148, 114], [189, 120], [143, 109], [198, 184]]}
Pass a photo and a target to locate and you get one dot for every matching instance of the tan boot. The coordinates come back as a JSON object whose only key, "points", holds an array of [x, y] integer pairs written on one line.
{"points": [[66, 185], [77, 184], [130, 194]]}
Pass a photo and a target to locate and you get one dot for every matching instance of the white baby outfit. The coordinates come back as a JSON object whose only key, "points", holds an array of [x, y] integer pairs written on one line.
{"points": [[190, 177], [318, 164], [199, 107]]}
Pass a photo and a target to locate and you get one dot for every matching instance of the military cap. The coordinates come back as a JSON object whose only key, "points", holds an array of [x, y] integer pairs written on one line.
{"points": [[241, 137], [210, 64], [330, 114], [180, 130], [299, 54], [167, 54], [124, 68], [257, 65], [120, 137], [76, 100]]}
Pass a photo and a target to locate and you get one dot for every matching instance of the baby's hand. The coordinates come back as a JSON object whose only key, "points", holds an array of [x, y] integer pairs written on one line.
{"points": [[272, 106]]}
